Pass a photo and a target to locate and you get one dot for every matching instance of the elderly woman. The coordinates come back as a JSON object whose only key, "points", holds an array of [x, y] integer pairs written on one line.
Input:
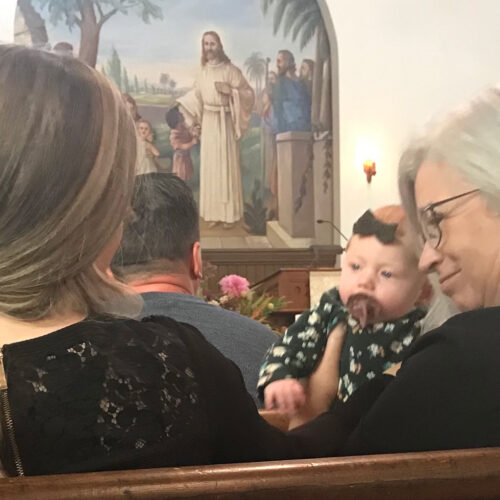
{"points": [[81, 387], [446, 394]]}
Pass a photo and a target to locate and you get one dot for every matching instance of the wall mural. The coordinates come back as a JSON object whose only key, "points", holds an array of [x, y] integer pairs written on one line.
{"points": [[233, 96]]}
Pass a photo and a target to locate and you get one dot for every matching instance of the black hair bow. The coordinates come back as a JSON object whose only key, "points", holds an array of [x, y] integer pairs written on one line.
{"points": [[369, 225]]}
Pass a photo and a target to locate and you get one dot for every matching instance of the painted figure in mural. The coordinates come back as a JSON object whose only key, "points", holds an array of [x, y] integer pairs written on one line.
{"points": [[306, 74], [286, 107], [221, 103], [63, 49], [290, 99], [269, 146], [132, 106], [181, 140], [146, 150]]}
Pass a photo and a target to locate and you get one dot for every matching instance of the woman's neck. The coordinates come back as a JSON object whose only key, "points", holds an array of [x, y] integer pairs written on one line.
{"points": [[16, 330]]}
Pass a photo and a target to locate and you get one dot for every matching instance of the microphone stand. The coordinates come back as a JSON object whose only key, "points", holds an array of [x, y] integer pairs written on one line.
{"points": [[325, 221]]}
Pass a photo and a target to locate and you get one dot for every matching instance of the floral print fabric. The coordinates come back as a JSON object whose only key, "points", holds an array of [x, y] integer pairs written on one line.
{"points": [[366, 353]]}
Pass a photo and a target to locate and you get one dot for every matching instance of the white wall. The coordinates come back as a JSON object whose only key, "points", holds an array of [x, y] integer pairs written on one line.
{"points": [[7, 9], [400, 61]]}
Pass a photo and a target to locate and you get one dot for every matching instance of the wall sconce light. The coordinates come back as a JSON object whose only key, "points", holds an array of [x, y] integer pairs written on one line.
{"points": [[369, 168]]}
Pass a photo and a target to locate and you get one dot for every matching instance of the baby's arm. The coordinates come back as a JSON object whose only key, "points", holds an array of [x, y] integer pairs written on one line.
{"points": [[284, 364], [323, 383], [296, 355]]}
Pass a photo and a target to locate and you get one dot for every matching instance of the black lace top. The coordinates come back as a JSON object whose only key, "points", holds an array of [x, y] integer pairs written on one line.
{"points": [[109, 394]]}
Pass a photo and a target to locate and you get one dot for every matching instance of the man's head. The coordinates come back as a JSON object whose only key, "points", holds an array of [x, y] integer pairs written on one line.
{"points": [[212, 50], [381, 281], [285, 63], [162, 236], [307, 69]]}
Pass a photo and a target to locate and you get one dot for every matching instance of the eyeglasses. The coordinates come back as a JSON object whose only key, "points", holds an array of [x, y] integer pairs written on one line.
{"points": [[429, 219]]}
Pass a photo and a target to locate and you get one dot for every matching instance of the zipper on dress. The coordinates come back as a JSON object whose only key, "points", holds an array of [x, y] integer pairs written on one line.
{"points": [[7, 418]]}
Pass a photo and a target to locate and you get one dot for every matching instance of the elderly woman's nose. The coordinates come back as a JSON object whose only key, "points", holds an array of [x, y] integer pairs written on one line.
{"points": [[429, 258]]}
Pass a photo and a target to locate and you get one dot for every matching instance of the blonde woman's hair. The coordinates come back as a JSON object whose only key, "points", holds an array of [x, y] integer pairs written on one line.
{"points": [[67, 159]]}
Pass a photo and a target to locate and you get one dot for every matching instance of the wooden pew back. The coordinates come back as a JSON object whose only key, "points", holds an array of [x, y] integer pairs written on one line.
{"points": [[450, 475]]}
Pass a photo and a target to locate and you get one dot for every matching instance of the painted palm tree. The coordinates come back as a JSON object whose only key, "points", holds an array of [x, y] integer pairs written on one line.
{"points": [[302, 21], [300, 18], [256, 69]]}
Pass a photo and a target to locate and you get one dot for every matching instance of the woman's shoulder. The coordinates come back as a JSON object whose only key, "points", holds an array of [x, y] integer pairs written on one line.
{"points": [[466, 336], [112, 333], [482, 321]]}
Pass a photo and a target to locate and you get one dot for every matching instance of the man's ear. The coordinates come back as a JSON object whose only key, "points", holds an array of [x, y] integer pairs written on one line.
{"points": [[426, 294], [196, 264]]}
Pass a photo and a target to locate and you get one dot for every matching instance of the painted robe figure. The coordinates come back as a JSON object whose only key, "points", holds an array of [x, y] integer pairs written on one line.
{"points": [[222, 103]]}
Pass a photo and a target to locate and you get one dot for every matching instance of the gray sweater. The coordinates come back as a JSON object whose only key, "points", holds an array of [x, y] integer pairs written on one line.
{"points": [[241, 339]]}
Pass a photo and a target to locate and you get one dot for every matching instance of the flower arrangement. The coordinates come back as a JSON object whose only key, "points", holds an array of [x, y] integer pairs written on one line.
{"points": [[237, 296]]}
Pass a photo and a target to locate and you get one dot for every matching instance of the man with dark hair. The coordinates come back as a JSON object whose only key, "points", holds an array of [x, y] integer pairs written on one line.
{"points": [[160, 257]]}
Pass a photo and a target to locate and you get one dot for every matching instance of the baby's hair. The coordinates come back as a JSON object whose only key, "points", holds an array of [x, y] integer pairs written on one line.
{"points": [[395, 214], [173, 117]]}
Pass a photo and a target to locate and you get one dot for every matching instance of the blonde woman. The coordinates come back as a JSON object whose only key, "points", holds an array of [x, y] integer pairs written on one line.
{"points": [[81, 388]]}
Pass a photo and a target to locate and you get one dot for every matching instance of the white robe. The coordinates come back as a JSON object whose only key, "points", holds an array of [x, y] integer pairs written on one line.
{"points": [[223, 120]]}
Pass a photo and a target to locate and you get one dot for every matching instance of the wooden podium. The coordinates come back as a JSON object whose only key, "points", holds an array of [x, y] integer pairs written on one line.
{"points": [[293, 284]]}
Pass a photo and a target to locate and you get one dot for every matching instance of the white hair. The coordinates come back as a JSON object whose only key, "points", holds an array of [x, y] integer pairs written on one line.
{"points": [[467, 140]]}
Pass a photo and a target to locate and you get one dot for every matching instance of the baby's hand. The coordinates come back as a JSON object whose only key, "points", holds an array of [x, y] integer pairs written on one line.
{"points": [[287, 395]]}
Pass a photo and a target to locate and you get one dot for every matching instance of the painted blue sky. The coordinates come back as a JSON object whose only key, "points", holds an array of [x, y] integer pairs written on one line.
{"points": [[172, 45]]}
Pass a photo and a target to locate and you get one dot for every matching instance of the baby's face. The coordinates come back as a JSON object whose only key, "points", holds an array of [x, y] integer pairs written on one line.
{"points": [[379, 282]]}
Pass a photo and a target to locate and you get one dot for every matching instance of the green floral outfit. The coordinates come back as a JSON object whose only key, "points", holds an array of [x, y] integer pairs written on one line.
{"points": [[366, 352]]}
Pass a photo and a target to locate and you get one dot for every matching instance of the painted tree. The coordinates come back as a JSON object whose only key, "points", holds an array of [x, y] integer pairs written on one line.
{"points": [[125, 81], [35, 24], [302, 20], [164, 81], [256, 69], [90, 15], [115, 68]]}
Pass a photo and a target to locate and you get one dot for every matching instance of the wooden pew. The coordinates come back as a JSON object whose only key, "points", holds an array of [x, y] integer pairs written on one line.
{"points": [[450, 475]]}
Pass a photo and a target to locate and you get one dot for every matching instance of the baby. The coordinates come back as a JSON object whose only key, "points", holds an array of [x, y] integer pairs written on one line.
{"points": [[358, 330]]}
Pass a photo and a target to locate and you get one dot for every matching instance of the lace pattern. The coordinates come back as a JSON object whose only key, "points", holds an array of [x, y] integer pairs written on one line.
{"points": [[101, 388]]}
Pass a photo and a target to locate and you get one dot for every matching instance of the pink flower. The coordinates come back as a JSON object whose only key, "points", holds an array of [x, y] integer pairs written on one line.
{"points": [[234, 285]]}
